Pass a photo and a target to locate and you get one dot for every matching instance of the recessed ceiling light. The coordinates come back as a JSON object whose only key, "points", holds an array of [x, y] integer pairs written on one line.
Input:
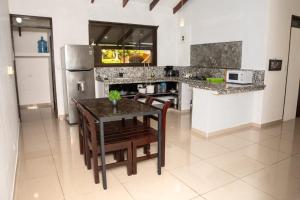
{"points": [[106, 37], [19, 20]]}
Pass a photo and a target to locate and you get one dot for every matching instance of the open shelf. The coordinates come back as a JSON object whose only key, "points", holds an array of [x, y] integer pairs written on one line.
{"points": [[153, 94], [31, 55]]}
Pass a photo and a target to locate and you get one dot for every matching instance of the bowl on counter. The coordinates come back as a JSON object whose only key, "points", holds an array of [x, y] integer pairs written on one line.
{"points": [[142, 90], [173, 91], [215, 80], [122, 92]]}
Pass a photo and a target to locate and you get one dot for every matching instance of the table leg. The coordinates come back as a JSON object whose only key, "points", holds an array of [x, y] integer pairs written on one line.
{"points": [[159, 140], [103, 164]]}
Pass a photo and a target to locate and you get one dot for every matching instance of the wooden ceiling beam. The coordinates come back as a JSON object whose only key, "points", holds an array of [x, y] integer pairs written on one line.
{"points": [[125, 3], [103, 34], [125, 36], [153, 4], [179, 6]]}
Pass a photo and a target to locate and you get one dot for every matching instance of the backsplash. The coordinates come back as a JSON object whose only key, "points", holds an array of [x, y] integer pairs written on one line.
{"points": [[132, 72], [217, 55], [158, 71]]}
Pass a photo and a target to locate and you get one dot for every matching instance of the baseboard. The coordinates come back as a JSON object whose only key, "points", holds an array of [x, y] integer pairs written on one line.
{"points": [[17, 164], [41, 105], [62, 117], [267, 124], [185, 111], [223, 131]]}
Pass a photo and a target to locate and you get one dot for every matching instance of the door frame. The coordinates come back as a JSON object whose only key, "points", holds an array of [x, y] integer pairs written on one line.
{"points": [[295, 23], [52, 66]]}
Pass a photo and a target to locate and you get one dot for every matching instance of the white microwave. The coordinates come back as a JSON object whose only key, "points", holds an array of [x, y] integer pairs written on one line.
{"points": [[239, 76]]}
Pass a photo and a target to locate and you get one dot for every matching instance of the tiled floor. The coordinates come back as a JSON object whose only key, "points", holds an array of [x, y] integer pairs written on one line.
{"points": [[250, 164]]}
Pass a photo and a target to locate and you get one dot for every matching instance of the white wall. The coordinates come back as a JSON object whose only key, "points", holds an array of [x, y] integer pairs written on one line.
{"points": [[9, 122], [279, 21], [211, 21], [70, 24], [33, 72]]}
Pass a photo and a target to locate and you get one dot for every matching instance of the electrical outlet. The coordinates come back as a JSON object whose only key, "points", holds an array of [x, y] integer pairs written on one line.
{"points": [[10, 70]]}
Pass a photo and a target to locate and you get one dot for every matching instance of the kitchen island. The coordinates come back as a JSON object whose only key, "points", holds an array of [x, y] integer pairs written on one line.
{"points": [[219, 111], [215, 107]]}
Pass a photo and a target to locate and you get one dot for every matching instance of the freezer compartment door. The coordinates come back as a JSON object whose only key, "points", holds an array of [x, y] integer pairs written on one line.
{"points": [[81, 85], [78, 57]]}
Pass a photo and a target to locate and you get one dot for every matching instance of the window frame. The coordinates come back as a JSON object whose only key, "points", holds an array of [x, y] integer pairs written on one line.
{"points": [[126, 25]]}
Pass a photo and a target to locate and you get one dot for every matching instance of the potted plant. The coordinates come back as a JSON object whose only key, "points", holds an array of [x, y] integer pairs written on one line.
{"points": [[114, 96]]}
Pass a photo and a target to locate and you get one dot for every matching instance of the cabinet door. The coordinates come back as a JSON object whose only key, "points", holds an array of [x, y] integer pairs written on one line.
{"points": [[186, 95], [100, 90]]}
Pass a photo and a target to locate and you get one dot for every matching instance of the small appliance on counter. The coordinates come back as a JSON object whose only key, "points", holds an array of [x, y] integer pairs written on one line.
{"points": [[239, 76], [170, 72], [150, 89], [141, 89]]}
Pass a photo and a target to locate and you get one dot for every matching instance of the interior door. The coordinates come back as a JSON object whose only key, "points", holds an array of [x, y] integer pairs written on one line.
{"points": [[292, 89]]}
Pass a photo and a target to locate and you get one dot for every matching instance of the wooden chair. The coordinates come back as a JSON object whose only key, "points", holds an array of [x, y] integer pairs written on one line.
{"points": [[150, 136], [113, 143], [80, 127]]}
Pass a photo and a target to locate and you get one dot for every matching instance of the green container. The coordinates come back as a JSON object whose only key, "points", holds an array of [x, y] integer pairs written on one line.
{"points": [[215, 80]]}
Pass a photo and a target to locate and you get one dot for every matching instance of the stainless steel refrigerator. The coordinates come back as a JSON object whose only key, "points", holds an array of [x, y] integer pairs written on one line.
{"points": [[78, 76]]}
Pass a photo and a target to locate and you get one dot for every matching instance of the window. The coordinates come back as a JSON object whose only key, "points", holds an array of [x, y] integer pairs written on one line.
{"points": [[123, 44]]}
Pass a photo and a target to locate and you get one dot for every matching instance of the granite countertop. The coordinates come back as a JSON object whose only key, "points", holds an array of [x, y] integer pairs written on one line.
{"points": [[217, 88]]}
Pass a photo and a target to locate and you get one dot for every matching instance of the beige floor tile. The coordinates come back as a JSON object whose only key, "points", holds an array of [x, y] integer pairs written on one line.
{"points": [[44, 138], [205, 149], [203, 177], [290, 165], [276, 181], [46, 188], [184, 139], [237, 191], [230, 142], [198, 198], [160, 187], [81, 181], [253, 135], [286, 146], [264, 155], [113, 193], [177, 157], [36, 168], [63, 146], [33, 148], [66, 161], [145, 169], [236, 164]]}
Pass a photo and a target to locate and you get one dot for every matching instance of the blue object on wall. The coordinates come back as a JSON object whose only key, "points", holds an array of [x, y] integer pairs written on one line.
{"points": [[42, 46]]}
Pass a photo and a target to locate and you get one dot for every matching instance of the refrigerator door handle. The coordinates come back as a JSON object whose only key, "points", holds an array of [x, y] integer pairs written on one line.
{"points": [[81, 86]]}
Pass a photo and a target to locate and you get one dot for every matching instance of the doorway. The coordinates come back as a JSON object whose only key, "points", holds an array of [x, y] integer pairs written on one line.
{"points": [[32, 39], [292, 100]]}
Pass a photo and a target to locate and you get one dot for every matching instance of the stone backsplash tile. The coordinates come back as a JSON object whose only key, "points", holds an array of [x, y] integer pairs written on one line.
{"points": [[217, 55], [158, 71]]}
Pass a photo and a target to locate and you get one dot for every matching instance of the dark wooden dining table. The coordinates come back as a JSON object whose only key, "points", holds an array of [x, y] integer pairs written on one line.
{"points": [[104, 111]]}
